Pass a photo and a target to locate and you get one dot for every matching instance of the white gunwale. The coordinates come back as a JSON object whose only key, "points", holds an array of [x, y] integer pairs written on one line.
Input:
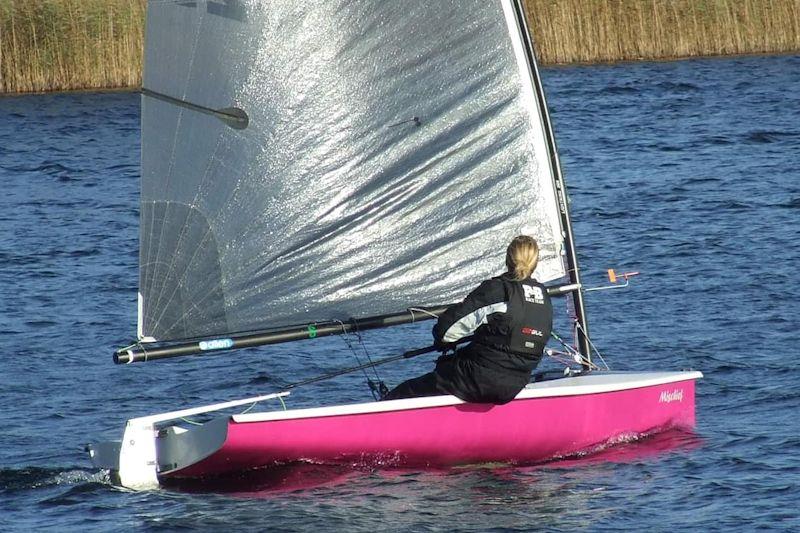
{"points": [[600, 382]]}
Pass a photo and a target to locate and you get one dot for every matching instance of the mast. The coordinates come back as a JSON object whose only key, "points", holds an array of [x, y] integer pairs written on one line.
{"points": [[573, 271]]}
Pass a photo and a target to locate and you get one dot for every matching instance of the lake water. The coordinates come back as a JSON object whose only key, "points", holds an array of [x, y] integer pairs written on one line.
{"points": [[686, 171]]}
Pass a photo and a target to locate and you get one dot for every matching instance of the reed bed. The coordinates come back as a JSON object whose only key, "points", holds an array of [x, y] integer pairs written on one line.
{"points": [[589, 31], [48, 45]]}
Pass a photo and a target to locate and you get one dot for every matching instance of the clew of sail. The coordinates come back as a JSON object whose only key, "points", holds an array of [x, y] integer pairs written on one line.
{"points": [[389, 151]]}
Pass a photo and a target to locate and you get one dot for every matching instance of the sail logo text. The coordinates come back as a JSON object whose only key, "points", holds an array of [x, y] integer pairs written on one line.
{"points": [[216, 344], [669, 397]]}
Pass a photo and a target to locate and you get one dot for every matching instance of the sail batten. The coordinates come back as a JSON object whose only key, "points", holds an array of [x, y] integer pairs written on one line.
{"points": [[232, 116], [391, 149]]}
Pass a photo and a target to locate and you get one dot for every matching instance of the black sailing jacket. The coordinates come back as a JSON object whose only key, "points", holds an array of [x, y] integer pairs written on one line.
{"points": [[511, 323]]}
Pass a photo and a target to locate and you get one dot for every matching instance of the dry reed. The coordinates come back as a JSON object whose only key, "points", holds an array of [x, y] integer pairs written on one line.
{"points": [[570, 31], [48, 45]]}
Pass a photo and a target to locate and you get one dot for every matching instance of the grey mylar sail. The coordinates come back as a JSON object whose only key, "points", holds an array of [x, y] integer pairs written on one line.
{"points": [[391, 151]]}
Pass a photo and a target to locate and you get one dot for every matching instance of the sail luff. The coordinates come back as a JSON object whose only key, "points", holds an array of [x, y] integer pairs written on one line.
{"points": [[573, 271]]}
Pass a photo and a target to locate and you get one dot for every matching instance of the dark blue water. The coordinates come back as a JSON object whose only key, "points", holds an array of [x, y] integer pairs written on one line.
{"points": [[685, 171]]}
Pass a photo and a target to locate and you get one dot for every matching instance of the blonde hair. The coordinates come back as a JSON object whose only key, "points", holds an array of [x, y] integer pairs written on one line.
{"points": [[522, 256]]}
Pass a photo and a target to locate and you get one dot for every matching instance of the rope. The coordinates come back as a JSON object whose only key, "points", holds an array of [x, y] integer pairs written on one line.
{"points": [[137, 344], [280, 399], [366, 352], [566, 360], [357, 333], [249, 408], [423, 311], [128, 347], [591, 345], [572, 313], [577, 356]]}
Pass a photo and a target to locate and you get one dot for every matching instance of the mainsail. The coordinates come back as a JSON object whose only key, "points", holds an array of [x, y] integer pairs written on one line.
{"points": [[317, 161]]}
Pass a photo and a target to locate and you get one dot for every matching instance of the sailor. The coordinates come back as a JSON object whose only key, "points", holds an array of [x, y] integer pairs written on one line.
{"points": [[510, 318]]}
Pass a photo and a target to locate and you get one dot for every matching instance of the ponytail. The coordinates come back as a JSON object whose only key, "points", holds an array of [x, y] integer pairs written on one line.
{"points": [[522, 256]]}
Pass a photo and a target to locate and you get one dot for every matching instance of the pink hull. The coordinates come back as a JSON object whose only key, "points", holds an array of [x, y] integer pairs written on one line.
{"points": [[523, 431]]}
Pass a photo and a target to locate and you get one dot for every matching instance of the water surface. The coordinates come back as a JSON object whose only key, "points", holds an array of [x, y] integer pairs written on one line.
{"points": [[685, 171]]}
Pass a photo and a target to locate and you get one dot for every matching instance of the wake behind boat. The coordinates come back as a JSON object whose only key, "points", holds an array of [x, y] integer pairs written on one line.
{"points": [[311, 170]]}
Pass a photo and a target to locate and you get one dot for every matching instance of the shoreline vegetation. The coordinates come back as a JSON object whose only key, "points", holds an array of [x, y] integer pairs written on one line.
{"points": [[60, 45]]}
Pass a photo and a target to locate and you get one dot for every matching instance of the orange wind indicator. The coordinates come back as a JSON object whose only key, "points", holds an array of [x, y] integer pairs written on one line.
{"points": [[613, 277]]}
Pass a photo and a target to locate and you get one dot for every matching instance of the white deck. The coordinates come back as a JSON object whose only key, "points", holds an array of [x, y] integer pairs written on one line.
{"points": [[592, 383]]}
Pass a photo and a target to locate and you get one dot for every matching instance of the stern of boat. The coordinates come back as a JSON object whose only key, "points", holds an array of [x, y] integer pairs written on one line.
{"points": [[178, 447], [151, 447]]}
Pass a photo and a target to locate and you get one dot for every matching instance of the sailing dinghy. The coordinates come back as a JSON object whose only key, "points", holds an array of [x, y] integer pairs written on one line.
{"points": [[318, 168]]}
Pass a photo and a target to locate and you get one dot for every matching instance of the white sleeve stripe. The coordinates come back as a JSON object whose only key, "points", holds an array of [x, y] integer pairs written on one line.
{"points": [[468, 324]]}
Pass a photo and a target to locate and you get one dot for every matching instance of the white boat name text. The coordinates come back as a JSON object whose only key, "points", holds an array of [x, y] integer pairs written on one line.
{"points": [[669, 397]]}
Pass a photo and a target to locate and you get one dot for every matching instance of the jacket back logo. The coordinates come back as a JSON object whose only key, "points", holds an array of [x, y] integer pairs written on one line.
{"points": [[533, 294]]}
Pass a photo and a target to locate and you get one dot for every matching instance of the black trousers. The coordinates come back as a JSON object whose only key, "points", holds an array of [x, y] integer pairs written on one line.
{"points": [[424, 385]]}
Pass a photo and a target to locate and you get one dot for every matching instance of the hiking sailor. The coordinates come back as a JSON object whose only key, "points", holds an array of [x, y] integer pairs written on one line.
{"points": [[510, 318]]}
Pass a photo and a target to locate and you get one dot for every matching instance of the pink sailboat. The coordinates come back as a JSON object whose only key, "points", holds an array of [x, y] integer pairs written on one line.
{"points": [[546, 420], [312, 170]]}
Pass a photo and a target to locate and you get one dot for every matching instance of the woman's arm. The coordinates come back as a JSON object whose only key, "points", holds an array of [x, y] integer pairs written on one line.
{"points": [[462, 319]]}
